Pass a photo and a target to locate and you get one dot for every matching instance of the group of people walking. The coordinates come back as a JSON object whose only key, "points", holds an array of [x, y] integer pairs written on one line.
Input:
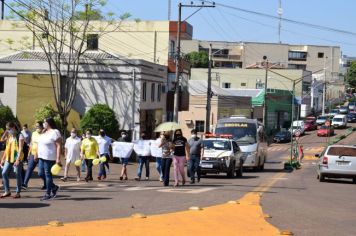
{"points": [[43, 148]]}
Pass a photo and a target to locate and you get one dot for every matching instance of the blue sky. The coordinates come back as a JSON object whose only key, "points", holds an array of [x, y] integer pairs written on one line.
{"points": [[230, 25]]}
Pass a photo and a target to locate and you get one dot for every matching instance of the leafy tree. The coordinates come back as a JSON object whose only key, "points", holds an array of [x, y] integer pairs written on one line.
{"points": [[61, 29], [6, 115], [47, 111], [351, 75], [98, 117], [198, 59]]}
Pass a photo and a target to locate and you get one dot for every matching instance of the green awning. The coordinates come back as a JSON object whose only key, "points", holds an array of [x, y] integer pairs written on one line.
{"points": [[259, 99]]}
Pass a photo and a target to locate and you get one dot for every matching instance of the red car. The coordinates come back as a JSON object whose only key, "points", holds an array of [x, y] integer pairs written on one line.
{"points": [[310, 125], [326, 131]]}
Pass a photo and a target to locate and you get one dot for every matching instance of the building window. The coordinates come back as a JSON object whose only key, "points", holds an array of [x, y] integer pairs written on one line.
{"points": [[172, 48], [199, 125], [92, 42], [297, 56], [320, 55], [297, 66], [144, 92], [2, 82], [153, 92], [159, 92], [243, 84], [226, 85]]}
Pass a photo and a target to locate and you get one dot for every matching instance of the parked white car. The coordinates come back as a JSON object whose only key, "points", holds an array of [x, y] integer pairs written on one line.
{"points": [[298, 126], [337, 161]]}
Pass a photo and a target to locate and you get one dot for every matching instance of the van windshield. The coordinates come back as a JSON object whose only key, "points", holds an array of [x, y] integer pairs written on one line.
{"points": [[342, 151], [216, 144], [337, 119], [244, 133]]}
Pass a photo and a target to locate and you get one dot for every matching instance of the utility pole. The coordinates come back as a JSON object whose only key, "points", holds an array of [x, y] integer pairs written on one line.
{"points": [[133, 104], [177, 56], [324, 87], [280, 12], [292, 120], [265, 96], [209, 93], [169, 9], [2, 9]]}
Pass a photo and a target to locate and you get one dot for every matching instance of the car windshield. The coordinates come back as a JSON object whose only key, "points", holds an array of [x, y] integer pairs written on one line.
{"points": [[325, 127], [337, 119], [296, 127], [243, 132], [216, 144], [284, 133], [322, 118], [342, 151], [334, 111]]}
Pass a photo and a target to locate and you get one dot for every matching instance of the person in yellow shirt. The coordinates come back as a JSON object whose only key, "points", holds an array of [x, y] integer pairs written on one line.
{"points": [[33, 155], [89, 151], [12, 159]]}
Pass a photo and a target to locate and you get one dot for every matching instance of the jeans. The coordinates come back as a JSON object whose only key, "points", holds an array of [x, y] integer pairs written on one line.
{"points": [[166, 167], [143, 160], [102, 170], [5, 176], [194, 166], [31, 165], [83, 166], [44, 171], [89, 163], [159, 166], [178, 164]]}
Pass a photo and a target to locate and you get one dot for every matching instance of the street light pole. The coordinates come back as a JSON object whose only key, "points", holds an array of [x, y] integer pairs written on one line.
{"points": [[177, 57], [209, 93], [292, 120], [265, 96], [324, 87]]}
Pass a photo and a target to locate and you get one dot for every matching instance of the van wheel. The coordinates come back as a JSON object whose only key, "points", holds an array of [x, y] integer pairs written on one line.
{"points": [[321, 178], [354, 180], [262, 167]]}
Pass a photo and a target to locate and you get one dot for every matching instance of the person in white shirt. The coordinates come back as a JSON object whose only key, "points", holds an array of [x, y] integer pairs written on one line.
{"points": [[72, 153], [104, 143], [49, 154]]}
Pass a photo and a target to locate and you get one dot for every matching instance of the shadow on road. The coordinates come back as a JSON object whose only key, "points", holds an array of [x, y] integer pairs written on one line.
{"points": [[23, 205], [338, 181]]}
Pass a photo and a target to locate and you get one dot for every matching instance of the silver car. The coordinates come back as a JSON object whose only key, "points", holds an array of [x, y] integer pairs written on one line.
{"points": [[337, 161]]}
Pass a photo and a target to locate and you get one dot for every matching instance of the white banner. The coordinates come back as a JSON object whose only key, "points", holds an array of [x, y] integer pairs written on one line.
{"points": [[155, 150], [122, 149], [142, 147]]}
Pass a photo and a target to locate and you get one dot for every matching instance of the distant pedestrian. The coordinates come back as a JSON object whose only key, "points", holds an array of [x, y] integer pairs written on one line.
{"points": [[72, 153], [83, 166], [124, 160], [167, 150], [143, 160], [33, 156], [104, 143], [89, 151], [300, 154], [27, 137], [12, 159], [195, 151], [49, 153], [181, 155]]}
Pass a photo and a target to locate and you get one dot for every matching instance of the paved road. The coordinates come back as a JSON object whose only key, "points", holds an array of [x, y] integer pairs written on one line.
{"points": [[305, 206], [113, 198]]}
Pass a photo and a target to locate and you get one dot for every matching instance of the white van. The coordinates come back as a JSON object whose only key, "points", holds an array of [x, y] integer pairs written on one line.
{"points": [[339, 121], [298, 125]]}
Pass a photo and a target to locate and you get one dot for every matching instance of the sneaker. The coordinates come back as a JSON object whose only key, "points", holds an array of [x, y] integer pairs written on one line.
{"points": [[198, 179], [160, 179], [121, 178], [55, 191], [125, 178], [64, 179], [137, 178], [46, 198], [192, 181], [24, 187], [99, 178], [78, 179], [147, 178], [17, 195], [43, 187]]}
